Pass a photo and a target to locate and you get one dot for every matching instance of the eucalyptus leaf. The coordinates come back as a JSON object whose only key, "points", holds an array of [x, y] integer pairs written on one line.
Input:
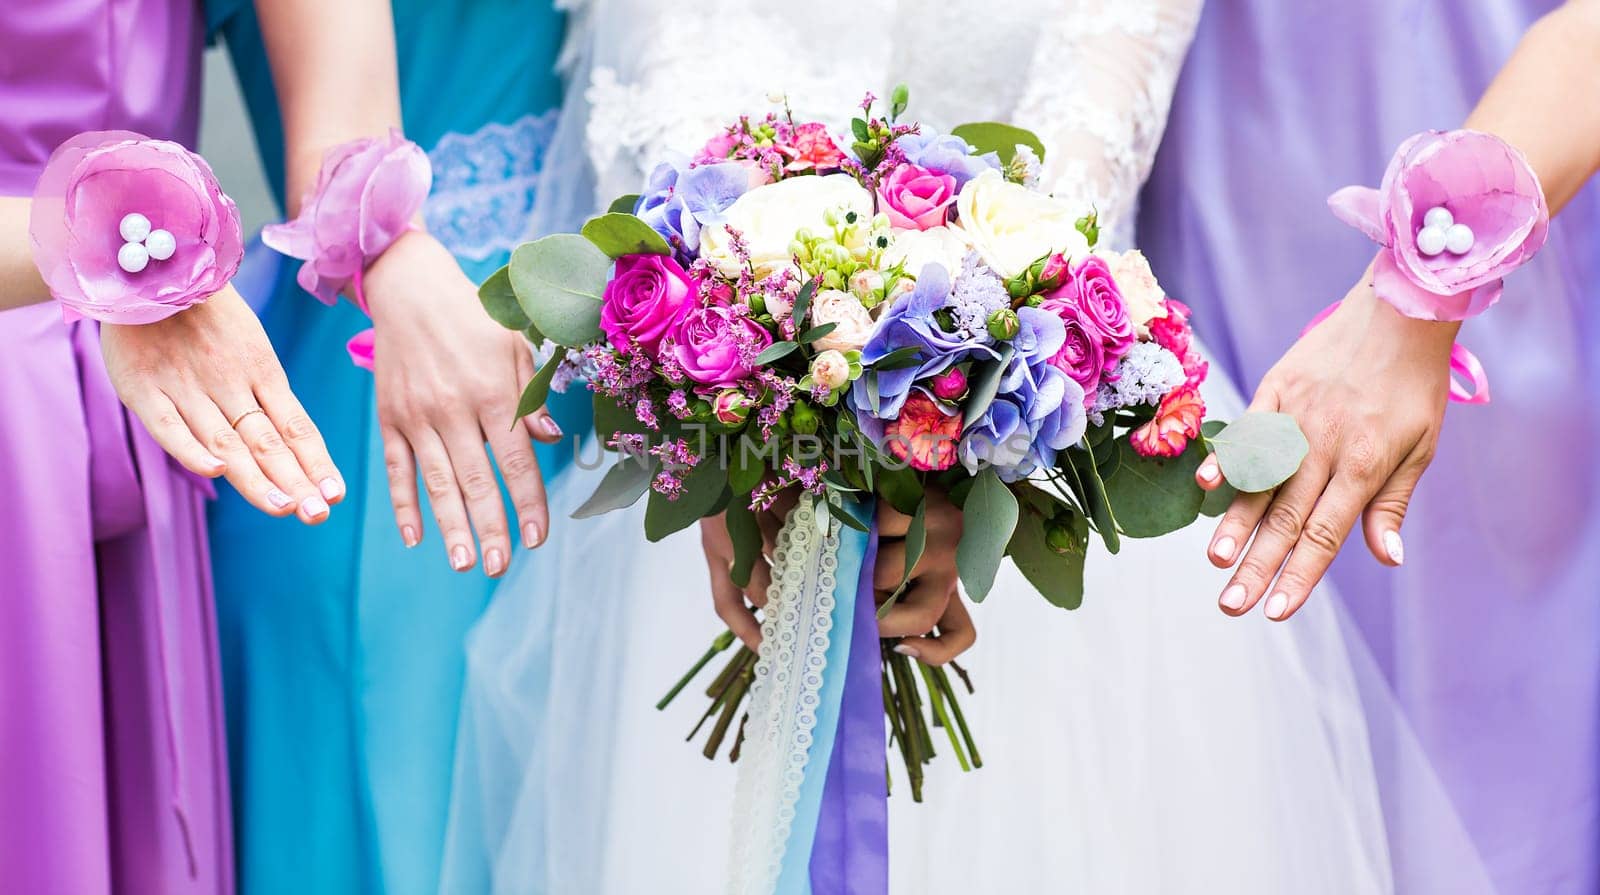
{"points": [[611, 418], [538, 390], [746, 465], [802, 301], [999, 138], [624, 204], [1218, 500], [900, 486], [1058, 577], [500, 300], [1153, 496], [1260, 451], [916, 543], [559, 281], [745, 533], [1092, 492], [702, 487], [775, 351], [987, 384], [987, 523], [898, 359], [816, 332], [618, 234], [846, 517], [624, 483]]}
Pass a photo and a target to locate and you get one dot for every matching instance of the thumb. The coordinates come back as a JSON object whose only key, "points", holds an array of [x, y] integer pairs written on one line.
{"points": [[1386, 512]]}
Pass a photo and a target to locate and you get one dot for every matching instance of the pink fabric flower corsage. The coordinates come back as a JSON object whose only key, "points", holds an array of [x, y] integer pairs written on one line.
{"points": [[365, 197], [1458, 210], [126, 229]]}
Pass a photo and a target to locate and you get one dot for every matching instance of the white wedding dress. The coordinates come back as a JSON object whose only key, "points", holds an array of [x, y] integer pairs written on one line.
{"points": [[1143, 744]]}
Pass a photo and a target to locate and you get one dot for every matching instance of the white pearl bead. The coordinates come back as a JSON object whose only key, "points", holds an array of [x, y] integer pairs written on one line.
{"points": [[132, 257], [161, 244], [1438, 217], [1431, 241], [134, 227], [1459, 239]]}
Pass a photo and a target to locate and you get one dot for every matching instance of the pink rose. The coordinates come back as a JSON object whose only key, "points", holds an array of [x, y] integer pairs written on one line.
{"points": [[1092, 290], [1485, 186], [854, 320], [1082, 355], [951, 385], [646, 299], [830, 369], [916, 198], [95, 180], [812, 149], [924, 435], [1176, 421], [717, 345], [731, 406], [366, 194], [717, 149]]}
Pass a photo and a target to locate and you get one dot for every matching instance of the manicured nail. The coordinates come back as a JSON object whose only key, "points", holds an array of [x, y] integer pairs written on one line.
{"points": [[215, 464], [1224, 547], [1277, 605], [332, 489], [550, 428], [1393, 546], [1209, 470], [408, 536], [278, 499], [459, 559], [906, 650], [1234, 597], [532, 535], [494, 562], [314, 507]]}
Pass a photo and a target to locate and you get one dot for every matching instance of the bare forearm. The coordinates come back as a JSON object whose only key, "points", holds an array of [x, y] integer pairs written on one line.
{"points": [[333, 65], [1544, 100], [19, 279]]}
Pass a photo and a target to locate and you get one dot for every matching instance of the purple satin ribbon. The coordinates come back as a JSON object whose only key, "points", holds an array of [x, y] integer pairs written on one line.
{"points": [[850, 855]]}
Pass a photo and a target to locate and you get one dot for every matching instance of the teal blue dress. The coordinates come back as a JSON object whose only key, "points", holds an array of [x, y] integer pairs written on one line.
{"points": [[343, 651]]}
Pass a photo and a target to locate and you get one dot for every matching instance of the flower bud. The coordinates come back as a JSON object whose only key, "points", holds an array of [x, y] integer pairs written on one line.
{"points": [[830, 369], [951, 385], [901, 287], [1059, 538], [731, 407], [831, 279], [866, 283], [1052, 272], [802, 419], [1004, 324], [799, 251]]}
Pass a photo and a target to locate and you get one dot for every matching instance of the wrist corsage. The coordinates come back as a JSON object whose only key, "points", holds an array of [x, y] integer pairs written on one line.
{"points": [[126, 229], [366, 195]]}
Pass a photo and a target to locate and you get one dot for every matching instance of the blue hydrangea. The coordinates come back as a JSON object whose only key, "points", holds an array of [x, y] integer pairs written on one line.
{"points": [[1144, 376]]}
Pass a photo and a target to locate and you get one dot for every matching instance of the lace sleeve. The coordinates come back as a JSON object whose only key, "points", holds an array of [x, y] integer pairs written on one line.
{"points": [[1099, 89]]}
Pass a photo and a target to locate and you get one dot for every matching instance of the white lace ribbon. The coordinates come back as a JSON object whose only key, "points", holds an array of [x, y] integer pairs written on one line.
{"points": [[785, 696]]}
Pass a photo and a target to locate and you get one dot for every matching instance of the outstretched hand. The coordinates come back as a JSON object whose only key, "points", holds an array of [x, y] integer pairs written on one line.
{"points": [[1368, 387]]}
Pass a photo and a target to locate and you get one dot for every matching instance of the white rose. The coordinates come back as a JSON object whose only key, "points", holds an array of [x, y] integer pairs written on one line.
{"points": [[1137, 283], [944, 246], [855, 322], [770, 216], [830, 369], [1012, 226]]}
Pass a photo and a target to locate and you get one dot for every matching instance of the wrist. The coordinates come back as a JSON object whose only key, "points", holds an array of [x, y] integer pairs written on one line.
{"points": [[1385, 321]]}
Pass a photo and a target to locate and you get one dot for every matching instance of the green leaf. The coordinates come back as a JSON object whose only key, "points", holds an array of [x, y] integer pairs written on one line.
{"points": [[745, 533], [898, 359], [900, 487], [802, 301], [619, 234], [775, 351], [500, 300], [1217, 501], [1092, 491], [702, 487], [624, 204], [1058, 577], [816, 332], [1152, 496], [999, 138], [1260, 451], [559, 281], [846, 517], [916, 543], [611, 418], [624, 483], [987, 523], [858, 129], [746, 466], [538, 390], [987, 384], [874, 400]]}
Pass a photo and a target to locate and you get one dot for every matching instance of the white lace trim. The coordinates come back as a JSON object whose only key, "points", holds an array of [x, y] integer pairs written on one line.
{"points": [[485, 184], [784, 698]]}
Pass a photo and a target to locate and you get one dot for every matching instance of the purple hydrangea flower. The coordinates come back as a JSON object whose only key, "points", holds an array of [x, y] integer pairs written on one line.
{"points": [[947, 154], [678, 200]]}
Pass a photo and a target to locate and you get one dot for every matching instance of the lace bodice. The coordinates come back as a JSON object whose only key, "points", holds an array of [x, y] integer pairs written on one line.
{"points": [[1093, 79]]}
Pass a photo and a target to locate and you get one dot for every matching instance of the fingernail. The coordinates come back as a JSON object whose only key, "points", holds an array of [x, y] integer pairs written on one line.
{"points": [[278, 499], [215, 464], [1234, 597], [1277, 605], [532, 536], [1208, 470], [907, 651], [550, 428], [1224, 547], [1394, 546], [332, 489], [408, 536], [314, 507], [459, 559], [494, 562]]}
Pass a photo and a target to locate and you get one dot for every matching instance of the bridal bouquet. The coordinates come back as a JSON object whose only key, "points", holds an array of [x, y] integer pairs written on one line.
{"points": [[861, 317]]}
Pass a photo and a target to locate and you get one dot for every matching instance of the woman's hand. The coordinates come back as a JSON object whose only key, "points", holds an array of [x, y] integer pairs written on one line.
{"points": [[1368, 387], [208, 386], [448, 379]]}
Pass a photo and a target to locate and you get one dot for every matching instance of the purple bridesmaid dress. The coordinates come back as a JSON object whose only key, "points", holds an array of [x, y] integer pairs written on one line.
{"points": [[1490, 634], [113, 771]]}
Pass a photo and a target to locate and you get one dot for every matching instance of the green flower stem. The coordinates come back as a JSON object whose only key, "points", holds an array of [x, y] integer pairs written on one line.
{"points": [[949, 692], [721, 687], [723, 641], [938, 711], [730, 710]]}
